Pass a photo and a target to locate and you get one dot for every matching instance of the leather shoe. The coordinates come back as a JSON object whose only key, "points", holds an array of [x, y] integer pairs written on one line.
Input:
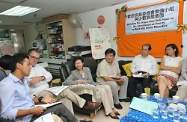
{"points": [[114, 117], [125, 100], [118, 106], [117, 113], [92, 105]]}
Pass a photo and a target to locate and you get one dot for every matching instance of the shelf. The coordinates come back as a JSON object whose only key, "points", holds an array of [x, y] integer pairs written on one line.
{"points": [[58, 52], [55, 42], [55, 33]]}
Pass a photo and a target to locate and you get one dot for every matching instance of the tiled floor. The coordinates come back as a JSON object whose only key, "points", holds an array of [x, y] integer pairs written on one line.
{"points": [[101, 117]]}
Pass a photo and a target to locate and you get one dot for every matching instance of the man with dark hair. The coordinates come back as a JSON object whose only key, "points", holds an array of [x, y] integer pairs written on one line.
{"points": [[4, 65], [144, 64], [38, 82], [17, 103], [108, 73]]}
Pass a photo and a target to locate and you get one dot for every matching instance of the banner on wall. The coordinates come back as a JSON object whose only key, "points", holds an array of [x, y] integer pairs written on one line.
{"points": [[152, 19]]}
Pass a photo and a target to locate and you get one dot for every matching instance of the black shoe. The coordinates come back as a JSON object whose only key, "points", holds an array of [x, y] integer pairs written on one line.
{"points": [[126, 100], [117, 113], [118, 106], [114, 117]]}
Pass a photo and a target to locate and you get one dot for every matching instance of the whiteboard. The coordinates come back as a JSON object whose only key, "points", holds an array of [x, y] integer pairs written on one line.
{"points": [[100, 41]]}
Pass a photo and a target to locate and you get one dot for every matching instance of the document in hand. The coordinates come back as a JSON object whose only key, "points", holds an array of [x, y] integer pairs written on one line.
{"points": [[56, 90], [143, 105], [138, 76], [48, 105], [45, 118], [115, 77]]}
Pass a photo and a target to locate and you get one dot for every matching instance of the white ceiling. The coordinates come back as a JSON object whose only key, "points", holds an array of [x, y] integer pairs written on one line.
{"points": [[51, 7]]}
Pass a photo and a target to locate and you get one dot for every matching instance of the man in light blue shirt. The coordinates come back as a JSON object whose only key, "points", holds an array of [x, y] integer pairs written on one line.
{"points": [[17, 103], [13, 97]]}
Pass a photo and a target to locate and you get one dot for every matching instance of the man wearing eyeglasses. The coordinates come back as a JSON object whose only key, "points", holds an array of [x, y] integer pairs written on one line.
{"points": [[38, 82], [39, 77], [143, 67]]}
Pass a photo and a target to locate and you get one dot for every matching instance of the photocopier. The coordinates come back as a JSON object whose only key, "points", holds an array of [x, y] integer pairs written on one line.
{"points": [[79, 51]]}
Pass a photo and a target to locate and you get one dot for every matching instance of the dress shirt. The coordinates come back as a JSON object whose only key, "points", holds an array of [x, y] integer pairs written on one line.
{"points": [[14, 95], [38, 70], [147, 64]]}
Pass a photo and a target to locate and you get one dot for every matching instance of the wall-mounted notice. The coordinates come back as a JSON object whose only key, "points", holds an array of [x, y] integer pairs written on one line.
{"points": [[7, 49], [152, 19], [100, 41]]}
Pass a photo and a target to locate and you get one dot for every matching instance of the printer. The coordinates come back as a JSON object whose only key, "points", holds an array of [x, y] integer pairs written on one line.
{"points": [[84, 51]]}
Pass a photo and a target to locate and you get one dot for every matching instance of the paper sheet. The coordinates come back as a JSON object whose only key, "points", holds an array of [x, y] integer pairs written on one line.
{"points": [[115, 77], [45, 118], [184, 82], [57, 90], [48, 105], [138, 75]]}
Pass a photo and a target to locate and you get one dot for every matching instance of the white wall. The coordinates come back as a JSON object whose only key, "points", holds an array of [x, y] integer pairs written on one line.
{"points": [[30, 35], [90, 20]]}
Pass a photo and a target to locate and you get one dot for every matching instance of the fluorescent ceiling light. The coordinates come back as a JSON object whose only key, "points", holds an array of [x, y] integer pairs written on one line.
{"points": [[19, 11]]}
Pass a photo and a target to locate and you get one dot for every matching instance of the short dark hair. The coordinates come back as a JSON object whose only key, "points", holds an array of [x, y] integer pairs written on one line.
{"points": [[110, 50], [149, 46], [17, 58], [33, 49], [173, 46], [5, 62], [78, 58]]}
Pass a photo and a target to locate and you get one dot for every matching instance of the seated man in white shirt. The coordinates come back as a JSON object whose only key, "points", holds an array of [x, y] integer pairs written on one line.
{"points": [[144, 64], [39, 78]]}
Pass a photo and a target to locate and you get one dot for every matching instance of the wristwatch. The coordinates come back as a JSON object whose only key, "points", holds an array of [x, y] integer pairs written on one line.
{"points": [[40, 99], [43, 78]]}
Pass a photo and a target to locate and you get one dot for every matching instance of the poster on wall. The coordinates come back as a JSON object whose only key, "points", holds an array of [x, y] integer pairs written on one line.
{"points": [[152, 19], [6, 47], [100, 41]]}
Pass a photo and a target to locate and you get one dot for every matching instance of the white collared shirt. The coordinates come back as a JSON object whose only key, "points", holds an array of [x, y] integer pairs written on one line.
{"points": [[147, 64], [38, 70]]}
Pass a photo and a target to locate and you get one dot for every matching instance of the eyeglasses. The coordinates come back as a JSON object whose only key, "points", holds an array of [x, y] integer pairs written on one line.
{"points": [[34, 57]]}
